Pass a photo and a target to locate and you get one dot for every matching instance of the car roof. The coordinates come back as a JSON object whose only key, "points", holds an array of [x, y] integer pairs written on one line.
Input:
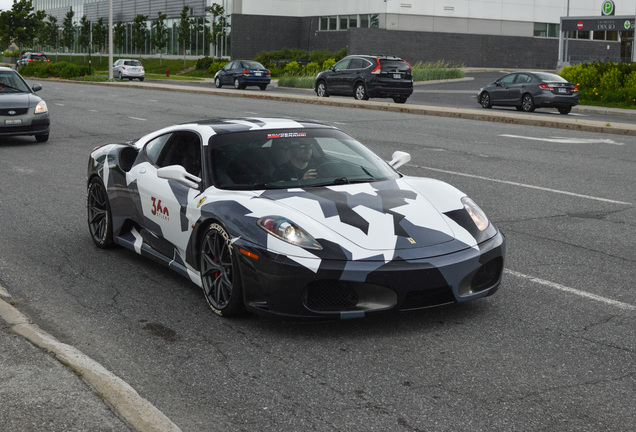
{"points": [[379, 56], [244, 124]]}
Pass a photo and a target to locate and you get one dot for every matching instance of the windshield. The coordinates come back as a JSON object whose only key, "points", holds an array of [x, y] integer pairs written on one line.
{"points": [[12, 83], [281, 159]]}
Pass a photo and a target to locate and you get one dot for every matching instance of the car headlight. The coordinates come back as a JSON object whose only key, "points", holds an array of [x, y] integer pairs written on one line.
{"points": [[477, 215], [288, 231], [41, 108]]}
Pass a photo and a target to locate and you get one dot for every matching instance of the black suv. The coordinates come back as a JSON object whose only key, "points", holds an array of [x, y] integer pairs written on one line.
{"points": [[28, 57], [367, 76]]}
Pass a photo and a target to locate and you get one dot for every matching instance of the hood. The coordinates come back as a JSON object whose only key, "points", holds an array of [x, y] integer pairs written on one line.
{"points": [[18, 100], [387, 215]]}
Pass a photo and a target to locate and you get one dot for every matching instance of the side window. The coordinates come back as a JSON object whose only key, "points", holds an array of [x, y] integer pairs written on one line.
{"points": [[154, 147], [508, 79], [183, 148], [230, 66], [342, 64], [356, 63], [523, 78]]}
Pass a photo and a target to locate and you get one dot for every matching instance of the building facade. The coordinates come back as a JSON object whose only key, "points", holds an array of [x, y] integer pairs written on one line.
{"points": [[481, 33]]}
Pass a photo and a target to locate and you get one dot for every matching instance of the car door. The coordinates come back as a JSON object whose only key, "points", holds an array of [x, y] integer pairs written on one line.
{"points": [[519, 87], [225, 75], [500, 93], [336, 81], [164, 203]]}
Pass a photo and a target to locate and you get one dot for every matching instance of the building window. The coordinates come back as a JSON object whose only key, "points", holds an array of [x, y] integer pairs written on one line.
{"points": [[344, 22], [546, 30], [605, 35], [579, 35]]}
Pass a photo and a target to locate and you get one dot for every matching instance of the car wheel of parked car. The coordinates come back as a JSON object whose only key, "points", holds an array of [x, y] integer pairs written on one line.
{"points": [[484, 100], [263, 86], [98, 214], [400, 99], [565, 110], [527, 103], [238, 85], [217, 82], [321, 89], [220, 279], [141, 79], [360, 92], [519, 108], [120, 76], [42, 138]]}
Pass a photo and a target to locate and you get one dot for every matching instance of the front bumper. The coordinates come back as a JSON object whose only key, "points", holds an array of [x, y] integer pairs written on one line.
{"points": [[30, 125], [276, 285]]}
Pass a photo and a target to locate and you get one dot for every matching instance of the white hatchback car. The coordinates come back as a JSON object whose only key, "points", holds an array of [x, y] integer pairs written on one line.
{"points": [[128, 68]]}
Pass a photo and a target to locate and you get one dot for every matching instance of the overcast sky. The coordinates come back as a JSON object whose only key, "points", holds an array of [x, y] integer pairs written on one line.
{"points": [[6, 4]]}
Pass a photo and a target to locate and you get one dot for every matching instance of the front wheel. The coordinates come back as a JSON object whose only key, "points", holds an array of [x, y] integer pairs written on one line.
{"points": [[220, 279], [321, 89], [360, 92], [42, 138], [484, 100], [217, 82], [98, 214], [565, 110], [527, 103]]}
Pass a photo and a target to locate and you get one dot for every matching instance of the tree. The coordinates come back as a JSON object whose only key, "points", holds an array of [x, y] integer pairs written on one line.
{"points": [[139, 33], [119, 36], [100, 33], [160, 39], [184, 30], [20, 24], [68, 30], [84, 38], [49, 34], [217, 25]]}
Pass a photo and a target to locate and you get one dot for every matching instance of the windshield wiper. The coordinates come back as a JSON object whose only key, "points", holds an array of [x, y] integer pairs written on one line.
{"points": [[11, 87]]}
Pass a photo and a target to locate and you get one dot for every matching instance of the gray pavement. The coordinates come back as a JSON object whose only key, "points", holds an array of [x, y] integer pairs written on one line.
{"points": [[48, 385]]}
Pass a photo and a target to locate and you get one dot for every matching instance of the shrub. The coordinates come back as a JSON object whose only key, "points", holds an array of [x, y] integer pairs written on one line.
{"points": [[204, 63], [328, 63], [216, 66], [611, 79], [292, 68], [312, 68], [57, 69], [630, 80]]}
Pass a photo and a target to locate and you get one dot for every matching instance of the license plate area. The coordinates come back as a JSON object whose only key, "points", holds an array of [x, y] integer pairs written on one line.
{"points": [[13, 122], [397, 76], [563, 90]]}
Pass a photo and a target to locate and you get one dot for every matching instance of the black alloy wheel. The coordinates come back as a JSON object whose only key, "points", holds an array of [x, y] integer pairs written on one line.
{"points": [[484, 100], [98, 214], [527, 103], [220, 279]]}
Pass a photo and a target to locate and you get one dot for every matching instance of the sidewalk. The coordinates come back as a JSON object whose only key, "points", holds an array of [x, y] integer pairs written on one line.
{"points": [[42, 388]]}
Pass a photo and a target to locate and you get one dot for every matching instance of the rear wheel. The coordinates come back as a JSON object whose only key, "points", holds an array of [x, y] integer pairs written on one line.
{"points": [[237, 84], [220, 279], [484, 100], [527, 103], [400, 99], [98, 214], [321, 89], [141, 79], [360, 92], [263, 86], [565, 110]]}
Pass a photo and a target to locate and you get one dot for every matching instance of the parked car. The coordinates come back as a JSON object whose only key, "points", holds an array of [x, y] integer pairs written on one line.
{"points": [[29, 57], [22, 112], [291, 218], [243, 73], [128, 68], [529, 90], [365, 76]]}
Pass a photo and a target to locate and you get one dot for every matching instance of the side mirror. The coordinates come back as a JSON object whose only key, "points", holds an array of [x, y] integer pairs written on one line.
{"points": [[36, 87], [399, 158], [178, 173]]}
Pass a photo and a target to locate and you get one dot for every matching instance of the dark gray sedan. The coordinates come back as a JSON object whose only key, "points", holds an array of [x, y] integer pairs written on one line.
{"points": [[529, 90], [22, 112]]}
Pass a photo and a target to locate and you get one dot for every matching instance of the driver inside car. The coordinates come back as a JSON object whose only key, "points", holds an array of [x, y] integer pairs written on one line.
{"points": [[300, 165]]}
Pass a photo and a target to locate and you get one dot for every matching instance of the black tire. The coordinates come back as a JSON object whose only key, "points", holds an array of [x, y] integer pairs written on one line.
{"points": [[120, 75], [217, 82], [321, 89], [527, 103], [220, 278], [565, 110], [141, 79], [263, 86], [42, 138], [238, 85], [484, 100], [519, 107], [400, 99], [360, 92], [98, 214]]}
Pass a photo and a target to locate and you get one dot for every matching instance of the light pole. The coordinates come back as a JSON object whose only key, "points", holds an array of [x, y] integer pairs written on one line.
{"points": [[110, 40]]}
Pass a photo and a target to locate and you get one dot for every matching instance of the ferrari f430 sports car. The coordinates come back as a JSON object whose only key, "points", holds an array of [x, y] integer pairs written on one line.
{"points": [[291, 218]]}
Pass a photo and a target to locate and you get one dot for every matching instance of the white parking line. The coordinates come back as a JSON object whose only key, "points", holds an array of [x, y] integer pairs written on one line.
{"points": [[562, 140], [598, 298], [524, 185], [137, 118]]}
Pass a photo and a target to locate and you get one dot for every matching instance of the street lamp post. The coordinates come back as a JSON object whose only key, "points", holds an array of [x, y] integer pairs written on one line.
{"points": [[110, 40]]}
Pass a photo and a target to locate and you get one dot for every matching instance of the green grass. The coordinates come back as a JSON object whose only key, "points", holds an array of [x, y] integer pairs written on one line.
{"points": [[306, 82]]}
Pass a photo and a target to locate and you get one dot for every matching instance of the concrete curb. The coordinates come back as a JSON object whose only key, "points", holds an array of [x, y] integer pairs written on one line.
{"points": [[561, 122], [135, 411]]}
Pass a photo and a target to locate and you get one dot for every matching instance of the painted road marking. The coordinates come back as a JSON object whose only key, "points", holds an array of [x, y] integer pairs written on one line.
{"points": [[598, 298], [137, 118], [525, 185], [563, 140]]}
